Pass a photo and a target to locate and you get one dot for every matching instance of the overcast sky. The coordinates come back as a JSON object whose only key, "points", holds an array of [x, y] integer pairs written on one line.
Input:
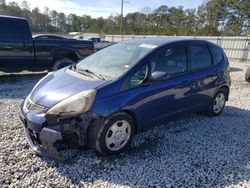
{"points": [[104, 8]]}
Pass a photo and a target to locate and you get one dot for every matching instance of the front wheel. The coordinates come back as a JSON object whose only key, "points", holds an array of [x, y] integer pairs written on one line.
{"points": [[218, 103], [114, 136]]}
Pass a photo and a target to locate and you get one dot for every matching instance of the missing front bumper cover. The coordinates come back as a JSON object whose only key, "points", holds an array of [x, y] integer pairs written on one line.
{"points": [[45, 142], [47, 138]]}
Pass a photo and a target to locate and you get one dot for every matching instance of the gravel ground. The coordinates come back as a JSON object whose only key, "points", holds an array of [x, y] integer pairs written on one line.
{"points": [[194, 151]]}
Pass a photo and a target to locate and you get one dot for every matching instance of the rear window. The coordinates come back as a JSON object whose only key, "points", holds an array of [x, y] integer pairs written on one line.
{"points": [[200, 56], [10, 29], [218, 54]]}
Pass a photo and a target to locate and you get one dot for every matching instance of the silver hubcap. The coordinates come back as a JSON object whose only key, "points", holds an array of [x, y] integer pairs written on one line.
{"points": [[219, 103], [118, 135]]}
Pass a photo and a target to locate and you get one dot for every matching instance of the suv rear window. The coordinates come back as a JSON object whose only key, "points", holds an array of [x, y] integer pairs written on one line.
{"points": [[10, 29], [200, 56], [217, 52]]}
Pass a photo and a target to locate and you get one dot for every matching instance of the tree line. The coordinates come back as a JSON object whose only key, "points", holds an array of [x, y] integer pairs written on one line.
{"points": [[212, 18]]}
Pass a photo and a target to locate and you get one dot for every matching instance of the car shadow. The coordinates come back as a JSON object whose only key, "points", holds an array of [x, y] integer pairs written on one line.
{"points": [[235, 69], [195, 150]]}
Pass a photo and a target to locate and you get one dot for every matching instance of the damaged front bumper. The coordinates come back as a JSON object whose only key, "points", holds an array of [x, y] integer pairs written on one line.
{"points": [[43, 142], [42, 133]]}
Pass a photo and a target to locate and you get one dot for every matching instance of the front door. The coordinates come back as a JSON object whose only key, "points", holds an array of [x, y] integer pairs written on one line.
{"points": [[165, 100]]}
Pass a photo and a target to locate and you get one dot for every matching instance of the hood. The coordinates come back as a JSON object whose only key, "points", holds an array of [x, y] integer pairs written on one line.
{"points": [[60, 85]]}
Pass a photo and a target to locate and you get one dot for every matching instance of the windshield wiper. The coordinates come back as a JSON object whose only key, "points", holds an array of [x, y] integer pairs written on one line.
{"points": [[93, 73], [88, 72], [73, 67]]}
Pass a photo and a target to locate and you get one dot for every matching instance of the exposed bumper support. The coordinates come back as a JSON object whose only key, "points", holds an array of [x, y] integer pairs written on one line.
{"points": [[42, 137], [44, 144]]}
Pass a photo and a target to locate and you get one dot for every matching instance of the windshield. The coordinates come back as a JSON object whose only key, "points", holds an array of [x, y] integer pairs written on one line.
{"points": [[113, 61]]}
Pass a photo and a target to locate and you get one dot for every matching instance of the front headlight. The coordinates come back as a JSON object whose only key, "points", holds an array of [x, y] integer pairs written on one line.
{"points": [[75, 104], [31, 106]]}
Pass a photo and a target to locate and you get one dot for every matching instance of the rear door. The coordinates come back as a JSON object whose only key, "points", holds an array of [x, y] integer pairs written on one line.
{"points": [[16, 45], [203, 75]]}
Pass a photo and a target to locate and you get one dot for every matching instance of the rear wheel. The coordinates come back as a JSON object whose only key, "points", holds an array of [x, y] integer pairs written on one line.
{"points": [[218, 103], [114, 136], [247, 75], [61, 63]]}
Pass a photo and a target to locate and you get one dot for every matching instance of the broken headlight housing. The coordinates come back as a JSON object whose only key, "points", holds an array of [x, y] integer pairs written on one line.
{"points": [[74, 105]]}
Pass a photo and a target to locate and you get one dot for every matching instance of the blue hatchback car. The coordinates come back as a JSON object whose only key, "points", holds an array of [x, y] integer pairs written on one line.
{"points": [[124, 89]]}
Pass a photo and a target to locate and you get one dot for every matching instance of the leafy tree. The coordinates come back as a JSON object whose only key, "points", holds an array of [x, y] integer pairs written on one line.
{"points": [[2, 6], [25, 5], [62, 25], [213, 17], [13, 9], [74, 23]]}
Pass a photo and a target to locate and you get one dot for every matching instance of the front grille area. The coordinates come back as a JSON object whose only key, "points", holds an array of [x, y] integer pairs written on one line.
{"points": [[35, 137]]}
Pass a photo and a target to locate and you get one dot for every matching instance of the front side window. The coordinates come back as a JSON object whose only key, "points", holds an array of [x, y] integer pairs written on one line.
{"points": [[171, 60], [113, 61], [139, 77], [200, 56]]}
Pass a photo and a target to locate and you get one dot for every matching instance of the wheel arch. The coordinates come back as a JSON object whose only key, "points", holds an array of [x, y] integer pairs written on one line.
{"points": [[65, 53], [126, 111], [226, 89], [95, 131], [133, 115]]}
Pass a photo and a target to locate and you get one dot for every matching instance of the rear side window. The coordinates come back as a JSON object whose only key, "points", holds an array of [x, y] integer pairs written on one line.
{"points": [[200, 56], [10, 29], [218, 54]]}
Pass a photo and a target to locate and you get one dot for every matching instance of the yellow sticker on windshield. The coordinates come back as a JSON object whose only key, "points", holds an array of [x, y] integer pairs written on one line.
{"points": [[148, 46]]}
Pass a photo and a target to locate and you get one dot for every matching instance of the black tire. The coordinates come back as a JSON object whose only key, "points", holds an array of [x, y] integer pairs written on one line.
{"points": [[61, 63], [211, 109], [97, 134], [247, 75]]}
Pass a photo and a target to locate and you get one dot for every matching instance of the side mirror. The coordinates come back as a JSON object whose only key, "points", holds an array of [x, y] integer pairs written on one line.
{"points": [[158, 76]]}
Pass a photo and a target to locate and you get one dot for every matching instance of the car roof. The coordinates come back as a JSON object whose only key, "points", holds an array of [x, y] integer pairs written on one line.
{"points": [[164, 40], [48, 35], [12, 17]]}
